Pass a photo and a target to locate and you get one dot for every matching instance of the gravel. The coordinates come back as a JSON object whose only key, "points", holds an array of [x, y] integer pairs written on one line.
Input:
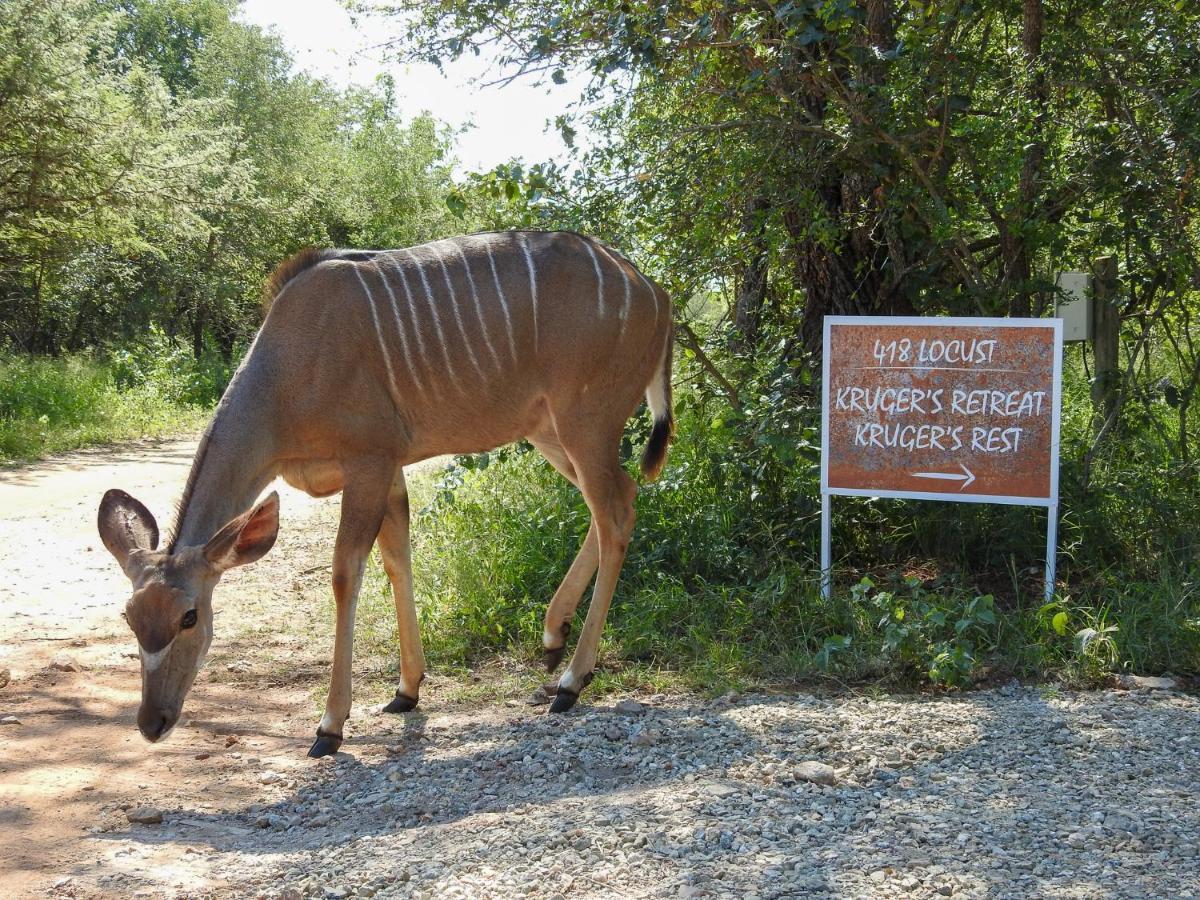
{"points": [[1015, 792]]}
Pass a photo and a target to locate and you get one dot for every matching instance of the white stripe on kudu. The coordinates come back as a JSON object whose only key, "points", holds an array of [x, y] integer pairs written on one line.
{"points": [[387, 359], [650, 288], [437, 322], [395, 267], [532, 286], [458, 317], [620, 264], [400, 329], [483, 329], [599, 278], [512, 343]]}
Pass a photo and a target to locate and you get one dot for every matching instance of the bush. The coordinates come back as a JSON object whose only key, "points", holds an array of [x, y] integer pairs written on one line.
{"points": [[48, 405]]}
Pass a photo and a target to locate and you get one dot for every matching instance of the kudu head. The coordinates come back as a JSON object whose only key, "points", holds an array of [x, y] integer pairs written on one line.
{"points": [[170, 611]]}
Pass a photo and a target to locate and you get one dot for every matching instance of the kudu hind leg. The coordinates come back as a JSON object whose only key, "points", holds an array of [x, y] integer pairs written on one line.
{"points": [[566, 599], [396, 550], [609, 492], [364, 502]]}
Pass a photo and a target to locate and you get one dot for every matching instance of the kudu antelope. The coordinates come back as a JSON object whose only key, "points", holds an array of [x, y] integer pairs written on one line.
{"points": [[371, 360]]}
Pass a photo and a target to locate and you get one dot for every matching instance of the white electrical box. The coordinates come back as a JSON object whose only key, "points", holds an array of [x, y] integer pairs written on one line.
{"points": [[1074, 305]]}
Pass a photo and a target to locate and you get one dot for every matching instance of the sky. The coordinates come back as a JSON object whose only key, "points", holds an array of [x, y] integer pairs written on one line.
{"points": [[508, 121]]}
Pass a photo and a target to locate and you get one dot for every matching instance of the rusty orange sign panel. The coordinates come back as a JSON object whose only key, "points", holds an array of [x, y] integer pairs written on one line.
{"points": [[942, 408]]}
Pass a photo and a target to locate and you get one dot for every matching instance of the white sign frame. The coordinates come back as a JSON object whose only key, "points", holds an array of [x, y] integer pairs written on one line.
{"points": [[1050, 502]]}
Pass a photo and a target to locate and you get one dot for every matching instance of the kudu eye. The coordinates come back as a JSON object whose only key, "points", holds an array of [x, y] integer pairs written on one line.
{"points": [[189, 619]]}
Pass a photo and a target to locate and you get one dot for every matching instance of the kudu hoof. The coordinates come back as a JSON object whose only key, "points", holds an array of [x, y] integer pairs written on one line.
{"points": [[325, 745], [401, 703], [565, 698], [554, 656]]}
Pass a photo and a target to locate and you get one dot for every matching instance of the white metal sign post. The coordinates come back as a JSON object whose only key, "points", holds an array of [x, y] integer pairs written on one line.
{"points": [[958, 409]]}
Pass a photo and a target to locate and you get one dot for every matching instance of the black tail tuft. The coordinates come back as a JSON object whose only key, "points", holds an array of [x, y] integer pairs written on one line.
{"points": [[658, 398], [654, 457]]}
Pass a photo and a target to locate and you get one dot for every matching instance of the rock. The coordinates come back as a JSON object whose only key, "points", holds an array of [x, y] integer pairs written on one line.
{"points": [[5, 677], [269, 778], [64, 662], [9, 720], [145, 815], [645, 737], [613, 733], [816, 772], [720, 791], [231, 740], [629, 708], [1146, 683]]}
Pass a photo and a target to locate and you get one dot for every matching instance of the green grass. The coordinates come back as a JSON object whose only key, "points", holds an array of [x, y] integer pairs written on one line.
{"points": [[51, 405]]}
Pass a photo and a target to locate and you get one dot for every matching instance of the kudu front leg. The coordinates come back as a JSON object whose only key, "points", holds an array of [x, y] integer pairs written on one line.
{"points": [[364, 503], [396, 550]]}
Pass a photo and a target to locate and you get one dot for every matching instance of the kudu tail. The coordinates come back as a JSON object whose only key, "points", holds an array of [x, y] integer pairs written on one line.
{"points": [[658, 398]]}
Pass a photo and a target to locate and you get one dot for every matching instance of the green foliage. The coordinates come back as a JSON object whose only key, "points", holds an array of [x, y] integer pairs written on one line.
{"points": [[52, 405], [161, 158], [930, 632]]}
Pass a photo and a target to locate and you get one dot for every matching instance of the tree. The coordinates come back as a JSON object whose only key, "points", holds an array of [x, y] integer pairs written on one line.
{"points": [[929, 158]]}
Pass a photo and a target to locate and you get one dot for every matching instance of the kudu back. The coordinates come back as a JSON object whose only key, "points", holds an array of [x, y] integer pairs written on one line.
{"points": [[368, 361]]}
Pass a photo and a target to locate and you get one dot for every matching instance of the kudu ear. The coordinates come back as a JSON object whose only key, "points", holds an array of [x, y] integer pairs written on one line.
{"points": [[246, 538], [125, 525]]}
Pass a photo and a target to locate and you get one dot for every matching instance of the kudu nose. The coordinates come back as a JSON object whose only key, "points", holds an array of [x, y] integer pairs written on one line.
{"points": [[154, 724]]}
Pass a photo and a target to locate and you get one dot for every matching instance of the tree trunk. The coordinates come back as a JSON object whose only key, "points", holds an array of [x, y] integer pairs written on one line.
{"points": [[197, 329], [849, 275], [1020, 268], [752, 283]]}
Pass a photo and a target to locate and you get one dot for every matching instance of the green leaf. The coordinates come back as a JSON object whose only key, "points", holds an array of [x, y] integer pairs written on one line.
{"points": [[1059, 622]]}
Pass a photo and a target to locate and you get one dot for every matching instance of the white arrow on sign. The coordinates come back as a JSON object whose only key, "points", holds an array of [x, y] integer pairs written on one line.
{"points": [[966, 477]]}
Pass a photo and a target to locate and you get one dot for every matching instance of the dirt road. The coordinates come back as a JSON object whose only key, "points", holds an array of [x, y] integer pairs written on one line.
{"points": [[1014, 792], [75, 759]]}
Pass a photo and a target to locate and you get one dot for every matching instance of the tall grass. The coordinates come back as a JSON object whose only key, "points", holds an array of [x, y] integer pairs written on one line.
{"points": [[49, 405]]}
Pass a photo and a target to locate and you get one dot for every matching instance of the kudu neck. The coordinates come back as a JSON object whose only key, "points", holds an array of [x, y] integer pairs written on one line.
{"points": [[234, 461]]}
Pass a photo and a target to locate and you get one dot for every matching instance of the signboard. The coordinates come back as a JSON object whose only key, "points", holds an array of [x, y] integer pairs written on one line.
{"points": [[942, 409]]}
